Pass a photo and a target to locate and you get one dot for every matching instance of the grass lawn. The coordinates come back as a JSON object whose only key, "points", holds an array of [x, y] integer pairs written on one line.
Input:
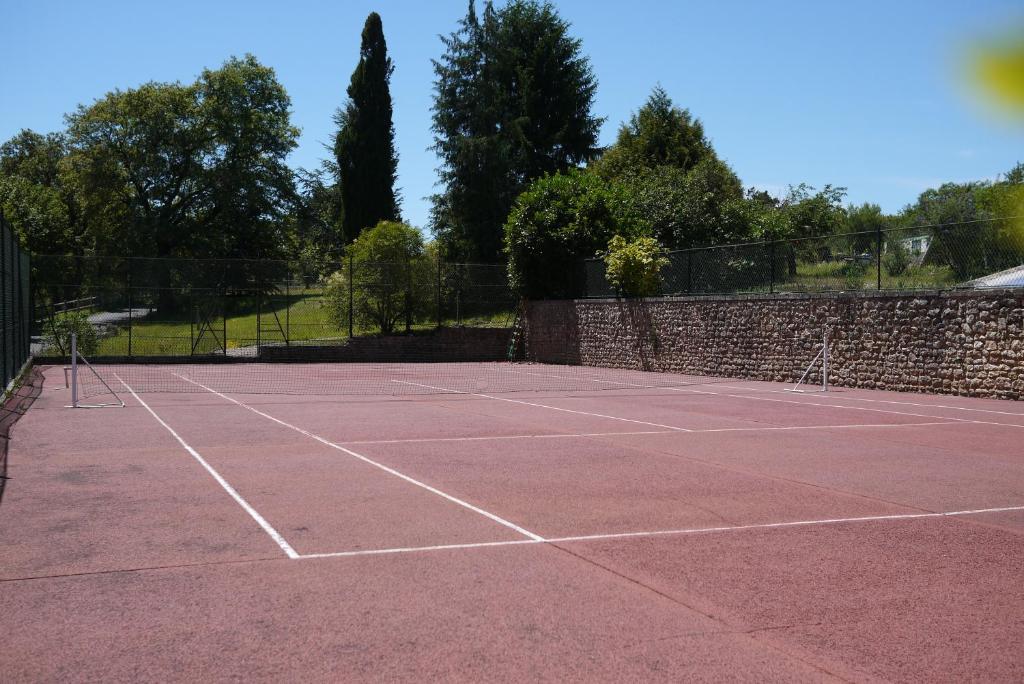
{"points": [[307, 318]]}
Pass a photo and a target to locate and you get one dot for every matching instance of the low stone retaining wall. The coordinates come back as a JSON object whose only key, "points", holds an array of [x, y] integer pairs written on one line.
{"points": [[958, 342], [445, 344]]}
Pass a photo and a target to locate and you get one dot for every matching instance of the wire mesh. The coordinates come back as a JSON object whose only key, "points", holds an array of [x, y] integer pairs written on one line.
{"points": [[976, 254], [15, 305]]}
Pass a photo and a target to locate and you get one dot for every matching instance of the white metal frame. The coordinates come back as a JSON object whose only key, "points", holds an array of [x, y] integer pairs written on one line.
{"points": [[823, 355], [75, 357]]}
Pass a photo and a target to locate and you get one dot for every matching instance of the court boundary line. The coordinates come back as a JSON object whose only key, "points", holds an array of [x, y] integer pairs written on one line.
{"points": [[663, 533], [888, 401], [232, 492], [449, 390], [433, 490], [631, 433], [626, 385]]}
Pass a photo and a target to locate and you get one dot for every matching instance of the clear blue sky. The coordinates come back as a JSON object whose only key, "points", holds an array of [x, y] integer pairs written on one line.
{"points": [[862, 95]]}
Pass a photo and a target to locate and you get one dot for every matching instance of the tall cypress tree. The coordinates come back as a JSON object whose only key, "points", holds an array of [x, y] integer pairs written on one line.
{"points": [[365, 143]]}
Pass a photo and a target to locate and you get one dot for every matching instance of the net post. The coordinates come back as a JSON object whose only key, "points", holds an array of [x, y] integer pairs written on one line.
{"points": [[878, 255], [74, 370]]}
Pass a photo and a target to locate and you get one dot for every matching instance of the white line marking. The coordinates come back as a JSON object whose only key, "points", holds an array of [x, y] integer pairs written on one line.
{"points": [[381, 466], [800, 403], [887, 401], [665, 533], [695, 431], [547, 406], [253, 513]]}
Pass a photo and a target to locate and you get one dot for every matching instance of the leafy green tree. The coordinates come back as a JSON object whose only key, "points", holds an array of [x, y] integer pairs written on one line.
{"points": [[558, 221], [659, 134], [863, 223], [391, 278], [512, 102], [634, 267], [198, 170], [364, 146]]}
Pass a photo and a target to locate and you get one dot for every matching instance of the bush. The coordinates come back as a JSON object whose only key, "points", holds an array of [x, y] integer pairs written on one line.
{"points": [[896, 259], [634, 268], [558, 221], [392, 279], [58, 335]]}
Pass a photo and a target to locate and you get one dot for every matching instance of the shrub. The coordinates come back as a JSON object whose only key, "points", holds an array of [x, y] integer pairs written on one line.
{"points": [[391, 279], [558, 221], [58, 335], [634, 267], [896, 259]]}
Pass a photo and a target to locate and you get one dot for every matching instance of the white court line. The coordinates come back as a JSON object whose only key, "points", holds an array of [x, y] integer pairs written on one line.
{"points": [[695, 431], [666, 533], [381, 466], [886, 401], [253, 513], [800, 403], [547, 406]]}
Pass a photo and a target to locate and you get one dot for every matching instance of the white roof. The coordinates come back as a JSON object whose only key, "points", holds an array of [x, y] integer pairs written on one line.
{"points": [[1011, 277]]}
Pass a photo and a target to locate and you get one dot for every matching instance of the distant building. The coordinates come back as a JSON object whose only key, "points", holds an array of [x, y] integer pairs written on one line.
{"points": [[917, 246], [1011, 277]]}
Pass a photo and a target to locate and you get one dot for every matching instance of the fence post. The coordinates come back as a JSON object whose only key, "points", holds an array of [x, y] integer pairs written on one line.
{"points": [[878, 255], [689, 271], [288, 310], [131, 307], [16, 334], [351, 299], [224, 317], [4, 318], [191, 322], [439, 262], [771, 267]]}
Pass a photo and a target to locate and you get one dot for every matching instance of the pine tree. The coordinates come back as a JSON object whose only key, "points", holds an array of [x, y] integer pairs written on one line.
{"points": [[365, 143], [511, 103]]}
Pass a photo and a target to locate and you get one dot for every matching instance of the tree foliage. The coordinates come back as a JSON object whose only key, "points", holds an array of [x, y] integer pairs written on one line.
{"points": [[558, 221], [390, 274], [659, 134], [633, 267], [192, 170], [512, 101], [364, 146]]}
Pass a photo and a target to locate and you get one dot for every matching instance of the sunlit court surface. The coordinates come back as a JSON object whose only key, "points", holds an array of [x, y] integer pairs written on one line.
{"points": [[453, 528]]}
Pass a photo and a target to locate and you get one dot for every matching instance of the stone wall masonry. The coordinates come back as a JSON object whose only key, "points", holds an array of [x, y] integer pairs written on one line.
{"points": [[953, 342]]}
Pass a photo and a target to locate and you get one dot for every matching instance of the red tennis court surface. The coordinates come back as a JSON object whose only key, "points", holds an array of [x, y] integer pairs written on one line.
{"points": [[726, 530]]}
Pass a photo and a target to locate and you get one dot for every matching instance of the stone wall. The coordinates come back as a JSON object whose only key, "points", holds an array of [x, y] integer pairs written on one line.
{"points": [[966, 342]]}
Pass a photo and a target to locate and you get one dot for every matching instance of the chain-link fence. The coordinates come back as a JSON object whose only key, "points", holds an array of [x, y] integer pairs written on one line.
{"points": [[141, 307], [974, 254], [15, 305]]}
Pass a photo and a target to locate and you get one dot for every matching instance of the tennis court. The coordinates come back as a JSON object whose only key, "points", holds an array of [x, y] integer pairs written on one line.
{"points": [[481, 521]]}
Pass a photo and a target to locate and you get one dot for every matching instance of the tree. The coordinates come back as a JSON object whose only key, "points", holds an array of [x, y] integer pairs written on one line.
{"points": [[863, 223], [659, 134], [685, 191], [197, 170], [512, 102], [364, 146], [559, 221], [390, 276]]}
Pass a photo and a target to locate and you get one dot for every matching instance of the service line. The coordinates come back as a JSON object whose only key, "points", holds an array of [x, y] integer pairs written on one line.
{"points": [[666, 533], [375, 464]]}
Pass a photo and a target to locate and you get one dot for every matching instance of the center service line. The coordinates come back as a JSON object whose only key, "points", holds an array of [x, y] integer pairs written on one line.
{"points": [[375, 464]]}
